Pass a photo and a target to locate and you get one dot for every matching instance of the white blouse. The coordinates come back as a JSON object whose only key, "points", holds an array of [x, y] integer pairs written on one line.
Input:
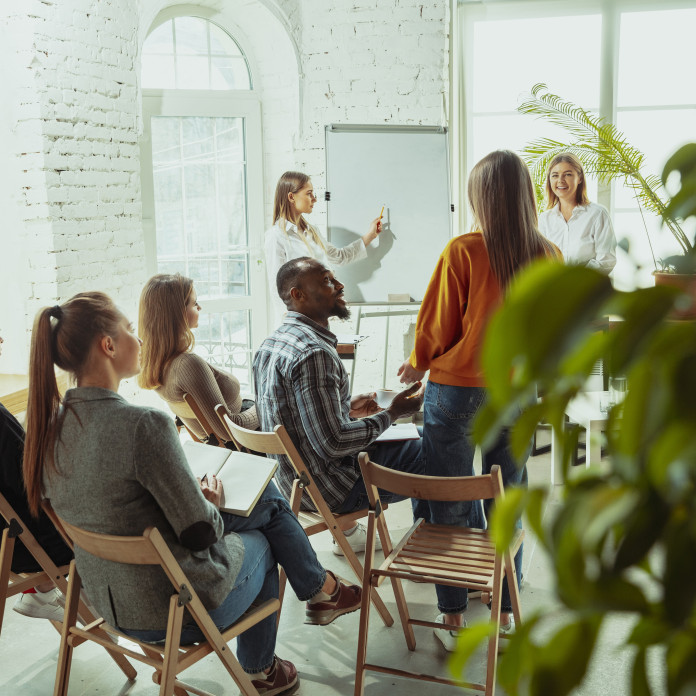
{"points": [[282, 246], [587, 239]]}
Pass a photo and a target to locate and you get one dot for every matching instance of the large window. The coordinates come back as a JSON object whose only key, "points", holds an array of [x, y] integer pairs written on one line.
{"points": [[629, 60], [202, 186]]}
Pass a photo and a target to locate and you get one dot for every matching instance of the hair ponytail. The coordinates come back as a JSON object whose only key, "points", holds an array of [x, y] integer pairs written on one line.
{"points": [[65, 342], [42, 407]]}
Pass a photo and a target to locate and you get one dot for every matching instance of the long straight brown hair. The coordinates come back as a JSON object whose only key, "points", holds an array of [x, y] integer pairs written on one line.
{"points": [[501, 196], [63, 335], [292, 182], [162, 325]]}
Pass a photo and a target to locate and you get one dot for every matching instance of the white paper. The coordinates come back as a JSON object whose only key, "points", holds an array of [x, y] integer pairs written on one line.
{"points": [[399, 431]]}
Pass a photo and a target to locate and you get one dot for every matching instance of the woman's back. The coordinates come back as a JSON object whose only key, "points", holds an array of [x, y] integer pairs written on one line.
{"points": [[120, 469]]}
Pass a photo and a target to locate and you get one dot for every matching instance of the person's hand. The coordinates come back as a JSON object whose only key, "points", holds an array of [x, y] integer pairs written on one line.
{"points": [[211, 489], [373, 232], [409, 374], [407, 402], [364, 405]]}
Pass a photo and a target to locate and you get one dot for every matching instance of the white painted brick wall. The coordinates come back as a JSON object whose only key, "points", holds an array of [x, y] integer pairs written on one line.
{"points": [[71, 128]]}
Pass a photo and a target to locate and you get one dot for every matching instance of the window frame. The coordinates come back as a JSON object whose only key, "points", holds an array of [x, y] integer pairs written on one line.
{"points": [[470, 11]]}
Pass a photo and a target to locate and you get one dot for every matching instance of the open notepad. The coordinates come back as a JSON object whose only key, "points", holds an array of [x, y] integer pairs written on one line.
{"points": [[244, 476], [399, 431]]}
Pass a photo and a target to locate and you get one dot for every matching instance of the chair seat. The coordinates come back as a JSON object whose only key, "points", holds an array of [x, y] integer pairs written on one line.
{"points": [[457, 556]]}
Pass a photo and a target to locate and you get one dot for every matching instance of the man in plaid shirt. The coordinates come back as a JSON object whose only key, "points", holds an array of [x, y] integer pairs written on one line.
{"points": [[302, 384]]}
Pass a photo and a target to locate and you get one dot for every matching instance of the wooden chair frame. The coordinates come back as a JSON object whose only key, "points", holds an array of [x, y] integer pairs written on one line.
{"points": [[168, 659], [188, 408], [442, 554], [279, 442], [13, 583]]}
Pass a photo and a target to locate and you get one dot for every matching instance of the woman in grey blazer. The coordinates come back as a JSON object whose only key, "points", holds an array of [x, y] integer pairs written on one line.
{"points": [[115, 468]]}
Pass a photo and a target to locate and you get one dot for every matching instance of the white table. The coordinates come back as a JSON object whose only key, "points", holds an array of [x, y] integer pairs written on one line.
{"points": [[586, 410]]}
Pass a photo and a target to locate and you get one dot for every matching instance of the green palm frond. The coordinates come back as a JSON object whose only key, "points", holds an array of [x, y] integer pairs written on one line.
{"points": [[604, 151]]}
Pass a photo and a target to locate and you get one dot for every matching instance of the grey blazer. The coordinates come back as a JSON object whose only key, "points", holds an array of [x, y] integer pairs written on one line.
{"points": [[120, 469]]}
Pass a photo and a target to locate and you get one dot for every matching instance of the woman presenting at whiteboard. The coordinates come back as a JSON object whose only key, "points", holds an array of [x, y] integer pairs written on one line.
{"points": [[292, 236]]}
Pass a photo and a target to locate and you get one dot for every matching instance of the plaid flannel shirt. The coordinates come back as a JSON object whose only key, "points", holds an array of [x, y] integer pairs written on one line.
{"points": [[301, 383]]}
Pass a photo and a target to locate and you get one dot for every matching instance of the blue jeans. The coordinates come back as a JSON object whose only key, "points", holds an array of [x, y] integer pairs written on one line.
{"points": [[271, 535], [448, 450], [401, 456]]}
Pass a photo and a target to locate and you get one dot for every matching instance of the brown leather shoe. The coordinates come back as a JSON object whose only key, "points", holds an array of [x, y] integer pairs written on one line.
{"points": [[282, 679], [344, 600]]}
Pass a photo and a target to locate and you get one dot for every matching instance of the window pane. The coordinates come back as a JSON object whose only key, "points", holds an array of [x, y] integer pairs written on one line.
{"points": [[512, 55], [191, 36], [200, 202], [222, 339], [160, 40], [192, 72], [158, 72], [192, 53], [657, 133], [657, 58]]}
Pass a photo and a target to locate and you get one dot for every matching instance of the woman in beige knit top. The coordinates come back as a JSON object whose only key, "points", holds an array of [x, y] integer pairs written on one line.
{"points": [[168, 312]]}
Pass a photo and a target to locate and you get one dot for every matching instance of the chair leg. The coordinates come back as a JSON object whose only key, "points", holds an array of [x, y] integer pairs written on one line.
{"points": [[282, 582], [403, 613], [365, 603], [357, 567], [513, 587], [6, 551], [69, 620], [495, 628], [169, 662]]}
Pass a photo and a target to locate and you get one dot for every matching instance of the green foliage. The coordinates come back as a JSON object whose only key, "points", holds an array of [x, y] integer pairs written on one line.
{"points": [[605, 153], [624, 540]]}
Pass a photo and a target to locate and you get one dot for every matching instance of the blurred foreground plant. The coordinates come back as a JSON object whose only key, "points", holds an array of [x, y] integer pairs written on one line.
{"points": [[624, 541]]}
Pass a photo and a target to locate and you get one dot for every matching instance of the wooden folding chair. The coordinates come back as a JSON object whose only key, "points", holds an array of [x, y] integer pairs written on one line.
{"points": [[188, 408], [14, 583], [170, 658], [279, 442], [437, 554]]}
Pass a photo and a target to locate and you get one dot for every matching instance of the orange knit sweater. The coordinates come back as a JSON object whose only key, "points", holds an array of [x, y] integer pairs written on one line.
{"points": [[461, 296]]}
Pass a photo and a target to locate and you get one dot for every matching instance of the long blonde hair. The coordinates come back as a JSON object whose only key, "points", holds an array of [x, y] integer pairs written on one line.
{"points": [[162, 325], [501, 196], [63, 335], [292, 182], [581, 197]]}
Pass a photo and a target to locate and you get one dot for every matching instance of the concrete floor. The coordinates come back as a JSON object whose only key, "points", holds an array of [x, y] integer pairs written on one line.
{"points": [[325, 656]]}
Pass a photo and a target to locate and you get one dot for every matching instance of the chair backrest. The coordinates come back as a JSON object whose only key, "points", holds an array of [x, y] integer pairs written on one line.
{"points": [[243, 438], [188, 409], [148, 549], [441, 488], [277, 442]]}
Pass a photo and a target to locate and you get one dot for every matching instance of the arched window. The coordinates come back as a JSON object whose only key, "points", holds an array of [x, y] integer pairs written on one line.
{"points": [[193, 53], [201, 181]]}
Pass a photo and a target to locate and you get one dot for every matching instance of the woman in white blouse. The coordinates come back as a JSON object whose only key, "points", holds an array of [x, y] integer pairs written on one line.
{"points": [[292, 236], [582, 230]]}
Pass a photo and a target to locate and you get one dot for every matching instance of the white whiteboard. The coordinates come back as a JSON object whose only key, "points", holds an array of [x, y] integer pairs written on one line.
{"points": [[406, 169]]}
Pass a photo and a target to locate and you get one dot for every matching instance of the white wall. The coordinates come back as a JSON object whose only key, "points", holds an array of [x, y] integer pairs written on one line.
{"points": [[70, 122]]}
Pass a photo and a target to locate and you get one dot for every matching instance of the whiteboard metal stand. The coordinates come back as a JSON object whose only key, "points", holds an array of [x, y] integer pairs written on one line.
{"points": [[413, 308]]}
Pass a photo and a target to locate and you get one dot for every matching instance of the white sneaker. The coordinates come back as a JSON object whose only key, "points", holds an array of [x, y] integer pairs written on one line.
{"points": [[508, 629], [41, 605], [357, 541], [448, 637]]}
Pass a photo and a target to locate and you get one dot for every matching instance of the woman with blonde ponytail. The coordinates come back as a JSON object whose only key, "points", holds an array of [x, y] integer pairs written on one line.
{"points": [[115, 468], [292, 236]]}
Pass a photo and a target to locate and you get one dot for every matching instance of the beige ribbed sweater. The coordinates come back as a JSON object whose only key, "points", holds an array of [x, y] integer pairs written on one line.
{"points": [[190, 374]]}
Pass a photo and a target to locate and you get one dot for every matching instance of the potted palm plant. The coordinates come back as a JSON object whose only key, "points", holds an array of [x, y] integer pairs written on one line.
{"points": [[607, 155]]}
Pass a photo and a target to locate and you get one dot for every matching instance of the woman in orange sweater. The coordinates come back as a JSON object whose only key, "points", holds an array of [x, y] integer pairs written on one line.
{"points": [[468, 284]]}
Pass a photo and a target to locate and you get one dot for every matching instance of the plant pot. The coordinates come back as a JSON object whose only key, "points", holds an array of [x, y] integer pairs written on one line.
{"points": [[687, 284]]}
